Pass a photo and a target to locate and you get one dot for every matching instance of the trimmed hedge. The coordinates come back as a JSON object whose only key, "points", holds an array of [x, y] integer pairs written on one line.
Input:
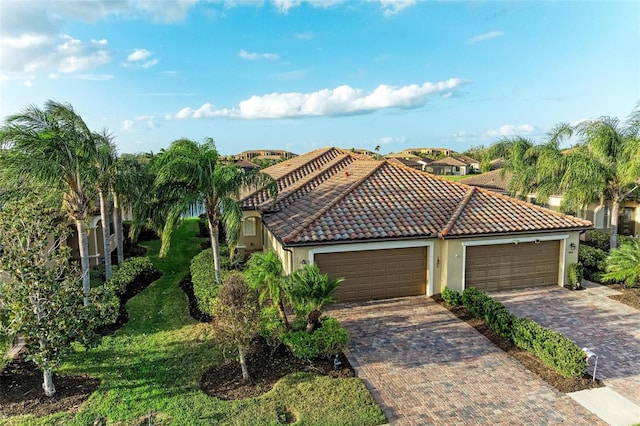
{"points": [[451, 297], [576, 273], [550, 346], [127, 272], [203, 277], [592, 258], [328, 340]]}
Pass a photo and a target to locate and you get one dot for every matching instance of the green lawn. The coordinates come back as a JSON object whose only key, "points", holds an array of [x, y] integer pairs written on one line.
{"points": [[454, 177], [155, 361]]}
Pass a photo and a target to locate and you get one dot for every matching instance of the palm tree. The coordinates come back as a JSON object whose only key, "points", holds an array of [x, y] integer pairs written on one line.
{"points": [[105, 162], [190, 178], [265, 273], [624, 264], [309, 290], [53, 149]]}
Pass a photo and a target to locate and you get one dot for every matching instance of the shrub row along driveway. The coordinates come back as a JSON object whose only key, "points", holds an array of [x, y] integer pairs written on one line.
{"points": [[591, 319], [425, 366]]}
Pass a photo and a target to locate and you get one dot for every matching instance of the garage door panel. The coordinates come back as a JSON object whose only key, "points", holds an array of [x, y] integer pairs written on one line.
{"points": [[507, 266], [377, 274]]}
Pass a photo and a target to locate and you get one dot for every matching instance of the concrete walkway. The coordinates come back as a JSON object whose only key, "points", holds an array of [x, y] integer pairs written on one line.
{"points": [[425, 366]]}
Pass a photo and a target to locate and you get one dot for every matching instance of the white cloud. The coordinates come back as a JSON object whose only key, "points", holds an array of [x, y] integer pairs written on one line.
{"points": [[127, 126], [149, 121], [249, 56], [343, 100], [93, 77], [393, 7], [388, 140], [25, 41], [483, 37], [508, 130], [138, 55], [140, 58]]}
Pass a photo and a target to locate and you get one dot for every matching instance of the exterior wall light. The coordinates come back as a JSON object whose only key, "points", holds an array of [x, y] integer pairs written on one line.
{"points": [[303, 261], [572, 246]]}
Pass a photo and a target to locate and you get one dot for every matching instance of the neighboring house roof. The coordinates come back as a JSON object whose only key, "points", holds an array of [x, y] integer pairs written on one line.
{"points": [[494, 180], [448, 161], [468, 160], [331, 196], [246, 164], [409, 163]]}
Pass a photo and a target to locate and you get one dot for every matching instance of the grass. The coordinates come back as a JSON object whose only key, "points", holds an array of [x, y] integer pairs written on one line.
{"points": [[454, 177], [154, 363]]}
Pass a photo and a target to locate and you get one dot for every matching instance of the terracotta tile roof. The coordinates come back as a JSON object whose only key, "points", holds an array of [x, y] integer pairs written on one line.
{"points": [[448, 161], [496, 180], [337, 197]]}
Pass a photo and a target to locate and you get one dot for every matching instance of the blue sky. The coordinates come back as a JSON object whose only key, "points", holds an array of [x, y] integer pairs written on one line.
{"points": [[297, 75]]}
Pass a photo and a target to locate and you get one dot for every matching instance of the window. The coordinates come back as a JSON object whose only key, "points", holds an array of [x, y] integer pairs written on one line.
{"points": [[249, 227]]}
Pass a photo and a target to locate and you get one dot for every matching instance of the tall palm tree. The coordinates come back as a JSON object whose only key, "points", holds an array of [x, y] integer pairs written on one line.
{"points": [[53, 148], [190, 178], [105, 163]]}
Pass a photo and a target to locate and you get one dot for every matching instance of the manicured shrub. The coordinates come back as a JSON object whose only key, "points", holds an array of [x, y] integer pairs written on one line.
{"points": [[576, 273], [327, 340], [474, 300], [203, 277], [593, 259], [451, 297], [551, 347], [127, 272], [600, 240], [498, 318]]}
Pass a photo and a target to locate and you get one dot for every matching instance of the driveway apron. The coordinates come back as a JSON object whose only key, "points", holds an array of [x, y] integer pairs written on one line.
{"points": [[425, 366], [591, 319]]}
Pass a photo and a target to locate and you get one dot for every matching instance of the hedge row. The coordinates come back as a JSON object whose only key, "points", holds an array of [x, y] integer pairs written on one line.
{"points": [[127, 272], [551, 347], [203, 277]]}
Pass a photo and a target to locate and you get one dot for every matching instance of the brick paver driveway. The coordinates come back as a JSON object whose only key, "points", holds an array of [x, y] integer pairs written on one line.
{"points": [[425, 366], [591, 319]]}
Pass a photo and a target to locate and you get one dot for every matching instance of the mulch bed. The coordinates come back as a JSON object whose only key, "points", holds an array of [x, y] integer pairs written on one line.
{"points": [[21, 381], [21, 391], [629, 296], [527, 359], [266, 364]]}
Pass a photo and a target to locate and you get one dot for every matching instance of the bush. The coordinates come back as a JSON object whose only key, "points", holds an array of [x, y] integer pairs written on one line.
{"points": [[271, 326], [127, 272], [623, 265], [451, 297], [600, 240], [474, 300], [328, 340], [551, 347], [593, 259], [499, 318], [203, 277], [576, 273]]}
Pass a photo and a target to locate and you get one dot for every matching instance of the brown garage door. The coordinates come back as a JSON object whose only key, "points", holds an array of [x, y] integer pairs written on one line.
{"points": [[377, 274], [505, 266]]}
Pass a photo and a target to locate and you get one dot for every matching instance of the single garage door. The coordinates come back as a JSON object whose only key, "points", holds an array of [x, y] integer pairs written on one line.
{"points": [[507, 266], [377, 274]]}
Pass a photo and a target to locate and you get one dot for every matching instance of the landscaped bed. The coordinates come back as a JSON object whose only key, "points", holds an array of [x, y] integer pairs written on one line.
{"points": [[154, 365], [527, 359]]}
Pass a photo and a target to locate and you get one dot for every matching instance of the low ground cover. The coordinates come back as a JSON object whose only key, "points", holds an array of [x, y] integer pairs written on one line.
{"points": [[154, 364]]}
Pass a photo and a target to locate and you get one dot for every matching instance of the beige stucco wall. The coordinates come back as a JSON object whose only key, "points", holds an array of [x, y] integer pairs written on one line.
{"points": [[251, 243], [445, 258]]}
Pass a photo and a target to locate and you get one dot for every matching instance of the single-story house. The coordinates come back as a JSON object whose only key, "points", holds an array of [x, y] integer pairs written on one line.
{"points": [[449, 166], [394, 231]]}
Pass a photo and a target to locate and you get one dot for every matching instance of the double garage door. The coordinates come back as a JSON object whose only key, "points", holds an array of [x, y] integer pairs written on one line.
{"points": [[376, 274], [509, 266]]}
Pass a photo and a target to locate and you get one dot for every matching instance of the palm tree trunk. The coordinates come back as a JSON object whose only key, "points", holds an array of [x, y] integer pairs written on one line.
{"points": [[83, 245], [215, 247], [106, 233], [283, 314], [243, 365], [117, 224], [615, 211]]}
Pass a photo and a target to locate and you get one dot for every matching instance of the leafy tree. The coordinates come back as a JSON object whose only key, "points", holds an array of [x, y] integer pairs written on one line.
{"points": [[52, 150], [265, 274], [308, 290], [190, 178], [41, 297], [623, 264], [237, 316]]}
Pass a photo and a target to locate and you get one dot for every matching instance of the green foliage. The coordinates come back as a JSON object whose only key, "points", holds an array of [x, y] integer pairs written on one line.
{"points": [[203, 277], [494, 313], [309, 290], [127, 272], [328, 340], [623, 265], [265, 274], [42, 297], [551, 347], [593, 259], [271, 326], [599, 240], [451, 297], [576, 274]]}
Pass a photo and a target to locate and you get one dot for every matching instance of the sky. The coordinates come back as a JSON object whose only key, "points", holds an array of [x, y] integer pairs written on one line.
{"points": [[300, 74]]}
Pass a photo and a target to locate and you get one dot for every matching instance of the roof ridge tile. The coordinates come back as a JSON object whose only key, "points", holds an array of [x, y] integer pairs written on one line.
{"points": [[458, 211]]}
